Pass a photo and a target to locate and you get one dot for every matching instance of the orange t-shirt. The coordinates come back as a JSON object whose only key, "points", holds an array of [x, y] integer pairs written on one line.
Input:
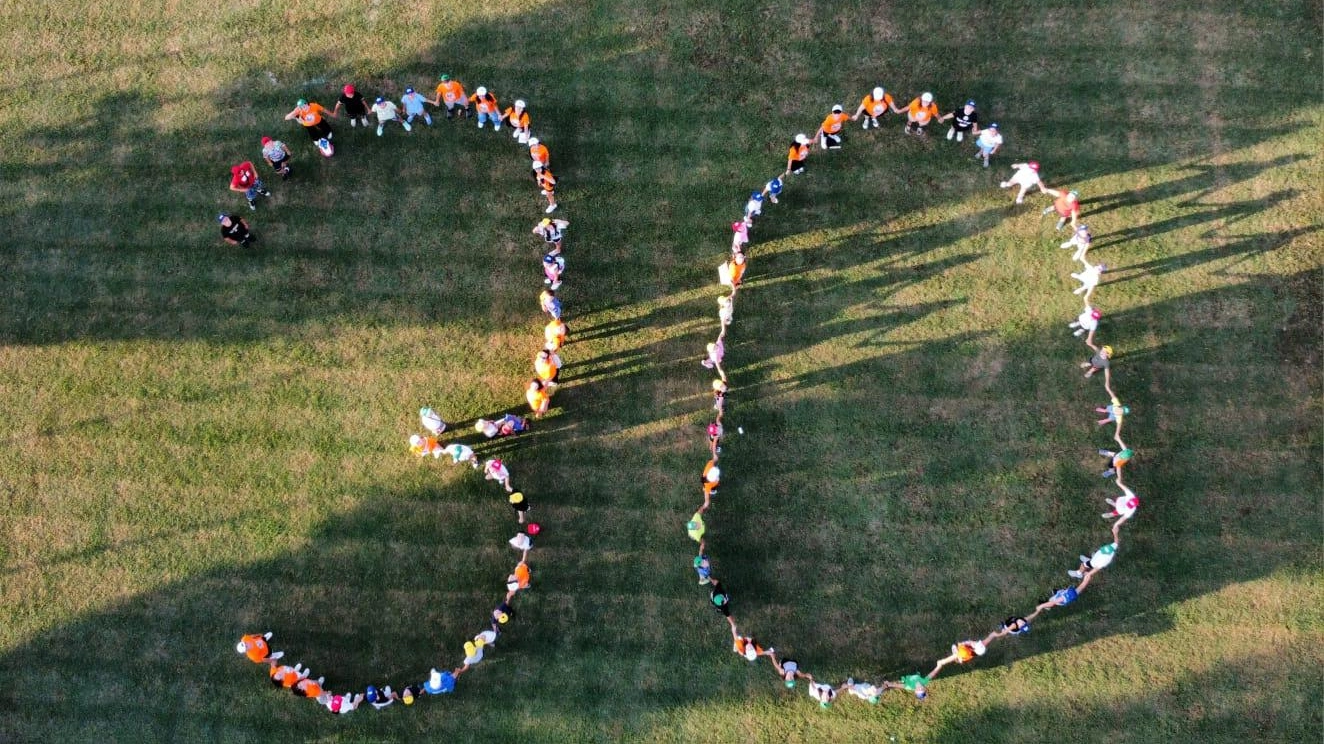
{"points": [[487, 104], [964, 652], [536, 398], [255, 648], [797, 152], [876, 107], [285, 675], [311, 115], [737, 271], [517, 120], [921, 113], [544, 369], [540, 153], [554, 334], [451, 91], [308, 688], [832, 124], [522, 574], [546, 181], [1066, 206]]}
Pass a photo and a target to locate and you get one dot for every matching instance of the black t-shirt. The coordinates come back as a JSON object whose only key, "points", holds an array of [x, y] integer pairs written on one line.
{"points": [[962, 122], [354, 105], [236, 230]]}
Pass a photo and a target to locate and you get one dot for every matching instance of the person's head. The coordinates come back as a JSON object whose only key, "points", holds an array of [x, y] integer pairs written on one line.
{"points": [[533, 528], [921, 690], [878, 93], [534, 142], [415, 440], [481, 91], [348, 90], [1034, 165], [548, 259], [380, 100], [993, 126], [1073, 195], [371, 695], [266, 141], [409, 91], [302, 103], [519, 104], [1095, 314], [1106, 352], [225, 221], [926, 98], [407, 696], [445, 78], [836, 109], [801, 139], [970, 108]]}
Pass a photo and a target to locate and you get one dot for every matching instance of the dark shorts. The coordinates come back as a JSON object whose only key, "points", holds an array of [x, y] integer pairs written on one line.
{"points": [[318, 130]]}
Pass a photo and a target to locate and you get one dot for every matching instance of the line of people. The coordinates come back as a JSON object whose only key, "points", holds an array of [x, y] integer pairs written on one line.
{"points": [[315, 120], [546, 371], [921, 113]]}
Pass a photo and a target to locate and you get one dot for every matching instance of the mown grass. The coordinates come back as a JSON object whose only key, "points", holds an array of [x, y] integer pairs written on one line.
{"points": [[202, 442]]}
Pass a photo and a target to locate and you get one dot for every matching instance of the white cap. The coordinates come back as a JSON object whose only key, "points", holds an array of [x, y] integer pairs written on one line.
{"points": [[926, 98], [481, 91], [878, 93], [979, 648], [533, 141], [519, 103], [801, 139], [836, 109], [415, 440]]}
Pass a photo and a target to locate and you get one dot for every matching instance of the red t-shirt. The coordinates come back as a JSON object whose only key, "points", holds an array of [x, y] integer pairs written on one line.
{"points": [[243, 175]]}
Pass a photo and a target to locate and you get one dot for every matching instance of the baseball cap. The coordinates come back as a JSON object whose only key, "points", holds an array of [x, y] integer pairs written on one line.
{"points": [[994, 125], [445, 77], [516, 497], [801, 139], [836, 109], [266, 140], [1094, 313], [1073, 194], [519, 103], [348, 90], [481, 91], [533, 528], [408, 91], [380, 99], [1034, 165], [1107, 350], [533, 141], [221, 218], [926, 97], [970, 103], [878, 92], [301, 102]]}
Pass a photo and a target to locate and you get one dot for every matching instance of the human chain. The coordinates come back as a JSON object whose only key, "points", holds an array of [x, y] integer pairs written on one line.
{"points": [[919, 115], [257, 647]]}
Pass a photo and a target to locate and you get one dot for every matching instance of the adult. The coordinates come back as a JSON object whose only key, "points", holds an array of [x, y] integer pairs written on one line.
{"points": [[244, 179], [234, 230], [964, 121], [920, 114], [450, 93], [356, 109], [312, 117], [872, 107], [277, 156]]}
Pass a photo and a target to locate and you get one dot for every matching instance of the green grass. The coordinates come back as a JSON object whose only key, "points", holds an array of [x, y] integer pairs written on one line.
{"points": [[202, 442]]}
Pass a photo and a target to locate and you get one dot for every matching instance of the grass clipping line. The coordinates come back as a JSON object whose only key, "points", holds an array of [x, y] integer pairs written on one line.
{"points": [[730, 275], [298, 678]]}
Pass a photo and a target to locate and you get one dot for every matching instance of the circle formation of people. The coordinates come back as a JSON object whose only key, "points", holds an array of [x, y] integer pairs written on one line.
{"points": [[921, 113], [458, 106]]}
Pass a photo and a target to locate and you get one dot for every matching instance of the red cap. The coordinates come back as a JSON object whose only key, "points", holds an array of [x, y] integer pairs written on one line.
{"points": [[266, 141], [1034, 166], [349, 90]]}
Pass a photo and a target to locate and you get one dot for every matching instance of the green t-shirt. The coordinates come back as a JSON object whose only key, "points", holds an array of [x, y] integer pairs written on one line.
{"points": [[912, 681]]}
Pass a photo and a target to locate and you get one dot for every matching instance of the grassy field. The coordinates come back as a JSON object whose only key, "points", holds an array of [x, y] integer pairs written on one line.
{"points": [[202, 442]]}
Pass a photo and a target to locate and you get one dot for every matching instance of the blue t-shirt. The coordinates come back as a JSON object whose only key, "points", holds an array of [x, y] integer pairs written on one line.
{"points": [[1066, 596], [774, 186], [413, 103]]}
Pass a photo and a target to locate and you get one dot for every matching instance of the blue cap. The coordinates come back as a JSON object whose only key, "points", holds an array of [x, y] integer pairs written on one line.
{"points": [[408, 91], [549, 259], [371, 694], [221, 217], [380, 99], [970, 103], [994, 125]]}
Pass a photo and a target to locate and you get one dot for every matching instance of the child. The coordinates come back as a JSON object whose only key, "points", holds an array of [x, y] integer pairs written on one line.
{"points": [[340, 704], [547, 367], [704, 568], [725, 311], [1088, 278], [824, 694], [739, 235], [431, 421], [423, 446], [244, 179], [915, 683], [550, 303], [1115, 410], [518, 580], [716, 351], [285, 676], [538, 398], [554, 334], [1086, 322], [753, 208], [1024, 175], [962, 653], [866, 691], [542, 157], [413, 103], [695, 528], [732, 271], [720, 599], [439, 682], [277, 156], [1067, 206], [1080, 240], [553, 266], [552, 231], [719, 395], [496, 470], [797, 155], [988, 143], [1116, 461], [873, 106], [747, 647], [1100, 559], [772, 189], [1014, 625], [488, 108], [518, 119], [308, 688], [920, 114], [788, 670], [255, 647], [1124, 506], [387, 111], [1100, 361], [523, 542], [547, 187], [461, 453], [312, 117], [450, 93], [966, 122], [829, 132], [715, 432], [379, 700], [355, 107], [234, 230]]}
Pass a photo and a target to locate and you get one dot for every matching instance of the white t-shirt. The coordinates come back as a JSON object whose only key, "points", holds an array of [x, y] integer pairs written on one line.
{"points": [[990, 138], [386, 111], [1025, 175]]}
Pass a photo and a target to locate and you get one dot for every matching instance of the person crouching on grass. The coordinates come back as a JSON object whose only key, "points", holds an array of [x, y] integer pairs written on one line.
{"points": [[277, 156], [234, 230]]}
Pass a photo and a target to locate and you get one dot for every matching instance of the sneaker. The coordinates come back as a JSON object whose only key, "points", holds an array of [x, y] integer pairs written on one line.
{"points": [[1075, 574], [252, 205], [353, 122], [1108, 473], [379, 130], [705, 582], [481, 124], [1107, 515], [408, 128], [1084, 559], [1105, 453], [266, 192], [277, 655], [496, 128], [550, 209]]}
